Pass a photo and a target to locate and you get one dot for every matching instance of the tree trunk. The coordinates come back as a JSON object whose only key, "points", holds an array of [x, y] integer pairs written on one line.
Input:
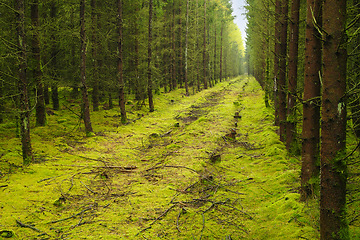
{"points": [[46, 94], [277, 53], [84, 91], [37, 73], [120, 64], [215, 50], [180, 60], [150, 92], [221, 52], [333, 224], [54, 88], [186, 48], [95, 43], [174, 49], [22, 84], [204, 45], [282, 72], [291, 134], [311, 107]]}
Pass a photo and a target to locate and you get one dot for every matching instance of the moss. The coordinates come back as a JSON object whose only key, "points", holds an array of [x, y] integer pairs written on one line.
{"points": [[249, 194]]}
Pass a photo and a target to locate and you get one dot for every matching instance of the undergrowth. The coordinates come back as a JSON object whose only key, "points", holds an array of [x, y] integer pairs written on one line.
{"points": [[208, 166]]}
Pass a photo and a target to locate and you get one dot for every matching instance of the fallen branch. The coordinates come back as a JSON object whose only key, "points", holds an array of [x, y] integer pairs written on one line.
{"points": [[157, 219], [31, 227], [170, 166], [122, 169], [88, 187], [1, 186], [73, 216]]}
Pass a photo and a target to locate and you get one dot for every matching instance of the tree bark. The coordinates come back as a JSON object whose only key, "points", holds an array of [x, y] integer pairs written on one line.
{"points": [[37, 73], [204, 52], [173, 49], [120, 63], [282, 72], [221, 53], [333, 224], [277, 53], [54, 52], [150, 91], [22, 84], [186, 48], [95, 43], [311, 106], [291, 133], [84, 91]]}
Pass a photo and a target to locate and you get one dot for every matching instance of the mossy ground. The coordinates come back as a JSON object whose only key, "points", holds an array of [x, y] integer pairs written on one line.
{"points": [[157, 177]]}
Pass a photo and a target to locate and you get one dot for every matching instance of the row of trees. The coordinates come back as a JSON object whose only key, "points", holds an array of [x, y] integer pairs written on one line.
{"points": [[298, 51], [140, 47]]}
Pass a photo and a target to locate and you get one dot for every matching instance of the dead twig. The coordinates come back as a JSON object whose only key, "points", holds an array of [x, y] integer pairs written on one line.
{"points": [[88, 187], [157, 219], [171, 166], [31, 227], [74, 216], [177, 220]]}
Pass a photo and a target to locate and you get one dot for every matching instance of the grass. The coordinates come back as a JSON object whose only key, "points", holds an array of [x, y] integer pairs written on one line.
{"points": [[153, 178]]}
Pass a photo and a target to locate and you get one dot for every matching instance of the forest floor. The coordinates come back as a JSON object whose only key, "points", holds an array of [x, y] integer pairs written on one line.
{"points": [[208, 166]]}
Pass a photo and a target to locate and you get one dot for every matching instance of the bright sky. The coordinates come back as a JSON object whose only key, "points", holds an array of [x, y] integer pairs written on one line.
{"points": [[240, 20]]}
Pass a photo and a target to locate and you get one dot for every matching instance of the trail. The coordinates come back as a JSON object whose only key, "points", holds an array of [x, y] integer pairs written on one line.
{"points": [[190, 170]]}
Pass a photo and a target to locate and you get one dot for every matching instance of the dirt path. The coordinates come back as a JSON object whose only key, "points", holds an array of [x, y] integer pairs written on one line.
{"points": [[193, 169]]}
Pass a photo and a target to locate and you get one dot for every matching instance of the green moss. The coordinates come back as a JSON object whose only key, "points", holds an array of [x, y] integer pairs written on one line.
{"points": [[252, 187]]}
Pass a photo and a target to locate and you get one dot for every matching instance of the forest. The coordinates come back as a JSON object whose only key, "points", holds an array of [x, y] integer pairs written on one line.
{"points": [[133, 119]]}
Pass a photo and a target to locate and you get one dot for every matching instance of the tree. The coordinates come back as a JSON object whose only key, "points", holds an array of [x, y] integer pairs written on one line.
{"points": [[333, 224], [95, 45], [186, 48], [53, 59], [85, 99], [22, 83], [291, 135], [150, 94], [311, 100], [37, 72], [204, 46], [283, 70], [120, 63]]}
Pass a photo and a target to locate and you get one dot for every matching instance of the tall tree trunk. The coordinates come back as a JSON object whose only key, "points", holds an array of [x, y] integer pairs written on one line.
{"points": [[84, 91], [95, 43], [186, 48], [311, 107], [282, 73], [197, 46], [215, 50], [37, 73], [23, 83], [333, 224], [120, 63], [221, 52], [174, 79], [150, 92], [204, 46], [277, 53], [54, 52], [180, 60], [291, 134]]}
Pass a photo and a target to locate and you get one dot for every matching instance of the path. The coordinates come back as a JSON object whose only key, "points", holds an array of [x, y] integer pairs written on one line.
{"points": [[176, 173]]}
